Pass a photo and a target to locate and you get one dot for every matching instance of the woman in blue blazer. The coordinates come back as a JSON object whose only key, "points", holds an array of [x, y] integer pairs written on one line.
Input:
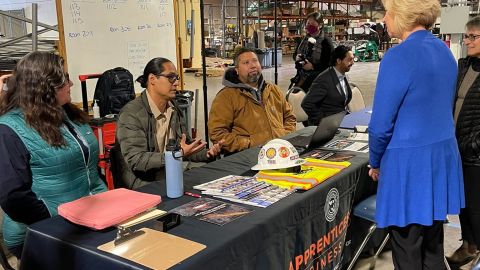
{"points": [[413, 150]]}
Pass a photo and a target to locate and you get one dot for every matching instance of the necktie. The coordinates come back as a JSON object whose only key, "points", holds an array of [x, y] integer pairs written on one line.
{"points": [[344, 86]]}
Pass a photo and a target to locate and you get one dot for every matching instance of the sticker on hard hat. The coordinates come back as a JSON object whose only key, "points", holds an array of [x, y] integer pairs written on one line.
{"points": [[271, 152], [261, 154], [284, 152]]}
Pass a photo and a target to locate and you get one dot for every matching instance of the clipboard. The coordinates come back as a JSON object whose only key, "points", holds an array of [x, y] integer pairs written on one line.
{"points": [[154, 249]]}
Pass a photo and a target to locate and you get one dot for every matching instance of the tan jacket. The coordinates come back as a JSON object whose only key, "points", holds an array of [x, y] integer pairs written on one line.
{"points": [[243, 122]]}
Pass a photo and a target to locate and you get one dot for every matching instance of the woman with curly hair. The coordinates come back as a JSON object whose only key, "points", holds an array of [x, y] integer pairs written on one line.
{"points": [[48, 150]]}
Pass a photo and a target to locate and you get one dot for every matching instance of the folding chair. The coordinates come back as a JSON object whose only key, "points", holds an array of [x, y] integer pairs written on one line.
{"points": [[295, 96], [357, 103], [366, 210]]}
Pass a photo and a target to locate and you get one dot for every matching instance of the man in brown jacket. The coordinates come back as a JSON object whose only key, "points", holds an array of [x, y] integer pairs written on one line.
{"points": [[248, 111]]}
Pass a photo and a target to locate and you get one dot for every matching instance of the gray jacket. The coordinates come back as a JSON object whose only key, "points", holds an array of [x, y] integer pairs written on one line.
{"points": [[139, 160]]}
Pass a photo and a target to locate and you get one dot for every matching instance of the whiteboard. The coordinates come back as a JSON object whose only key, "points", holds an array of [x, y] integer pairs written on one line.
{"points": [[104, 34]]}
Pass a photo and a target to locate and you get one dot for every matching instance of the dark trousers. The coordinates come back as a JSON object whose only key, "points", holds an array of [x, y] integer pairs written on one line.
{"points": [[470, 215], [418, 247]]}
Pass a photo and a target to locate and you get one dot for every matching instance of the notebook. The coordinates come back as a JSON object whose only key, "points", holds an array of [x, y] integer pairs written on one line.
{"points": [[325, 131]]}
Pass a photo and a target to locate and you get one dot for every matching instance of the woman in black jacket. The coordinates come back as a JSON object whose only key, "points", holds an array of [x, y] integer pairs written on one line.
{"points": [[467, 117]]}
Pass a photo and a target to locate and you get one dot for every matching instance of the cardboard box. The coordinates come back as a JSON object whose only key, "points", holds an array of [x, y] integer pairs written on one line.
{"points": [[295, 10]]}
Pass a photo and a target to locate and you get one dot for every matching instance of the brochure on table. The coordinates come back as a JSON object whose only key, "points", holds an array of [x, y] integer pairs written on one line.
{"points": [[348, 145], [213, 211], [243, 189]]}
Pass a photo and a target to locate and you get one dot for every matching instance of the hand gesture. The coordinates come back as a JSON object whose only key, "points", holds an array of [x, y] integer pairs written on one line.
{"points": [[3, 80], [215, 150], [192, 148]]}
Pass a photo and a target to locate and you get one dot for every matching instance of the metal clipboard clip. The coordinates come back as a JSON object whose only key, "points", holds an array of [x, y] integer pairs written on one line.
{"points": [[125, 231]]}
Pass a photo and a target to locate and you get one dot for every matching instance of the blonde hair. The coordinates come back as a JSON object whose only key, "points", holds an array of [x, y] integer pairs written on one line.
{"points": [[411, 13]]}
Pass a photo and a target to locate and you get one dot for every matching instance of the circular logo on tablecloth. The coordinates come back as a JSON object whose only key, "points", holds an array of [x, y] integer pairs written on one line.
{"points": [[331, 204]]}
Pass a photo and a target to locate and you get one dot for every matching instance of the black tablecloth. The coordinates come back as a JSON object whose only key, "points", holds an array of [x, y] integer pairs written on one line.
{"points": [[294, 233]]}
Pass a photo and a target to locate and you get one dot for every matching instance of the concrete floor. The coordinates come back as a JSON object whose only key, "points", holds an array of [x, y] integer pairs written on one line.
{"points": [[362, 74]]}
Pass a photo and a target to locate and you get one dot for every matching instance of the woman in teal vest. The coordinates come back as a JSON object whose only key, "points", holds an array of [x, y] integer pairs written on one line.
{"points": [[48, 151]]}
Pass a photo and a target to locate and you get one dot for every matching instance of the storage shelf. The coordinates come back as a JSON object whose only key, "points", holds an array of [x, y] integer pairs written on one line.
{"points": [[348, 2], [297, 17]]}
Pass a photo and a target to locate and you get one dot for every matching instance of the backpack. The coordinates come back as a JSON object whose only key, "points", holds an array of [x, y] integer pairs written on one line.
{"points": [[114, 89]]}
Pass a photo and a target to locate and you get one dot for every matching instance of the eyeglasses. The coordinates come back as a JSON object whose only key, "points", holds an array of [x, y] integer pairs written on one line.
{"points": [[471, 37], [172, 78]]}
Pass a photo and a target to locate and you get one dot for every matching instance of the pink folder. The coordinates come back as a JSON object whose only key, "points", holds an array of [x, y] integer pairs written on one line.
{"points": [[108, 208]]}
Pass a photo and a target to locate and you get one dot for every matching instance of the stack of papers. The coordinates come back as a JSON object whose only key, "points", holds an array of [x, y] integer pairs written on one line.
{"points": [[330, 155], [246, 190], [355, 136], [348, 145]]}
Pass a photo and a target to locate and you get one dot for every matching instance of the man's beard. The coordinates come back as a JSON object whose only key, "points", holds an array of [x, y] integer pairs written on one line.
{"points": [[253, 78]]}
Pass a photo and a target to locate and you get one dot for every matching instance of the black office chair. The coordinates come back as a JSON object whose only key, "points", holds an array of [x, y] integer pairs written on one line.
{"points": [[366, 210]]}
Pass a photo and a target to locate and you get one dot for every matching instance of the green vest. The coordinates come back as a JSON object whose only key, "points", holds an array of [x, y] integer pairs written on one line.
{"points": [[59, 174]]}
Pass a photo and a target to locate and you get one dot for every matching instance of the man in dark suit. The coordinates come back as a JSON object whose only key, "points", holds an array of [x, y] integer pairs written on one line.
{"points": [[330, 92]]}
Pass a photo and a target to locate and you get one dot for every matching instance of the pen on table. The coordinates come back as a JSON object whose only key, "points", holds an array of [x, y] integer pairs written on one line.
{"points": [[192, 194]]}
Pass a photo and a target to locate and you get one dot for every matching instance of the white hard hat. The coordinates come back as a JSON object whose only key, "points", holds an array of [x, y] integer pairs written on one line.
{"points": [[277, 154]]}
